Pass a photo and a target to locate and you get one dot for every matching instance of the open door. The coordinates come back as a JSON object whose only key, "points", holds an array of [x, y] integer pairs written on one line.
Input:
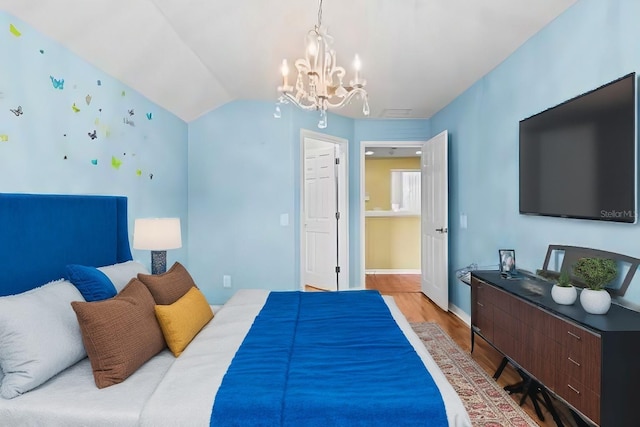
{"points": [[320, 222], [435, 224]]}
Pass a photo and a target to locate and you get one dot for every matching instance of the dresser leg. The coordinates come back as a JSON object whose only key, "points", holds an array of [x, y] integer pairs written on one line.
{"points": [[549, 405], [503, 365]]}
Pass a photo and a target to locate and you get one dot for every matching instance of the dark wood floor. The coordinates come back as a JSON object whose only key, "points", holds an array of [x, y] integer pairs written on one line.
{"points": [[416, 307]]}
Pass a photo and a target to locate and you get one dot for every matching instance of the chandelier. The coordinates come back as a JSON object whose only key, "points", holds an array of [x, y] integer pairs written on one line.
{"points": [[319, 85]]}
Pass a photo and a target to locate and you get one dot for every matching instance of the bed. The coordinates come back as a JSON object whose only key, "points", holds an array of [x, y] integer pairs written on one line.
{"points": [[234, 372]]}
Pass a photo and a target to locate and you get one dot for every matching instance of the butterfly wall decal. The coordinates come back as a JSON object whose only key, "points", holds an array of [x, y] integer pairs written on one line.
{"points": [[14, 30], [149, 116], [75, 108], [93, 135], [18, 111], [4, 138], [87, 99], [57, 83], [115, 162], [131, 113]]}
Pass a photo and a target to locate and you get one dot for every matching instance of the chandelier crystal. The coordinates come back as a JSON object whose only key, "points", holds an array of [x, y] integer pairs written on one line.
{"points": [[319, 85]]}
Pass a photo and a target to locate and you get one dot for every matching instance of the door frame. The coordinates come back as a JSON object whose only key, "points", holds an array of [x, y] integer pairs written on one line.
{"points": [[363, 147], [343, 203]]}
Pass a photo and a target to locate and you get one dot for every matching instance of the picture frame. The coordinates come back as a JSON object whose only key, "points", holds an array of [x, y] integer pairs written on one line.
{"points": [[507, 259]]}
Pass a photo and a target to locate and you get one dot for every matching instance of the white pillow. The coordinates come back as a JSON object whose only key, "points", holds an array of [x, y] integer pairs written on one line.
{"points": [[39, 336], [121, 274]]}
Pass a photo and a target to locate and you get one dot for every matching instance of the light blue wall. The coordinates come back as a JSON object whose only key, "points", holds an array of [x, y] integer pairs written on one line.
{"points": [[244, 172], [592, 43], [32, 159]]}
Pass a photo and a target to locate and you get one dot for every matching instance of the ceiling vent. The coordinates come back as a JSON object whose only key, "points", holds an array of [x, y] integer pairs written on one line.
{"points": [[396, 113]]}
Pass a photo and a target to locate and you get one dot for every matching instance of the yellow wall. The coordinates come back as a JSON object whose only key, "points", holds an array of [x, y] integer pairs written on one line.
{"points": [[377, 179], [391, 243]]}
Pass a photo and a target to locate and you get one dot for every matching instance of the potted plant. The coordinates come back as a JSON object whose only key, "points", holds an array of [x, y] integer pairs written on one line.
{"points": [[563, 291], [596, 274]]}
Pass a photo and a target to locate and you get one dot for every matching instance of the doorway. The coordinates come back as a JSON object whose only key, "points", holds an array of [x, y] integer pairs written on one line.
{"points": [[434, 200], [433, 230], [390, 184], [324, 239]]}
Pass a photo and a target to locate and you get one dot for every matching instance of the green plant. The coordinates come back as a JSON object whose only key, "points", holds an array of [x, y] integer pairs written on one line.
{"points": [[564, 280], [595, 272]]}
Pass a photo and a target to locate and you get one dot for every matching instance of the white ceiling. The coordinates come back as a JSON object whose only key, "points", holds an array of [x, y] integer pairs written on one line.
{"points": [[191, 56]]}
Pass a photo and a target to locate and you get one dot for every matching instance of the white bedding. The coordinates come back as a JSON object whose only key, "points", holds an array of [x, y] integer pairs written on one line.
{"points": [[171, 392], [71, 398]]}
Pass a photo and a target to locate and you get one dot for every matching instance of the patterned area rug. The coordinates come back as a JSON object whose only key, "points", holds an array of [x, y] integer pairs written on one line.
{"points": [[486, 402]]}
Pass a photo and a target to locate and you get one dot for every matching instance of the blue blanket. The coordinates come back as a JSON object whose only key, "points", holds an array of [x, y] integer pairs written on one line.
{"points": [[327, 359]]}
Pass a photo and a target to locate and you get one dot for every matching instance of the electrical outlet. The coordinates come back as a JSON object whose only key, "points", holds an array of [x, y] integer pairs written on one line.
{"points": [[226, 281], [463, 220]]}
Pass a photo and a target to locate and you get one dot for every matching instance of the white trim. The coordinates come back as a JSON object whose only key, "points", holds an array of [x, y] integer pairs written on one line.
{"points": [[394, 271], [343, 145], [462, 315], [361, 211]]}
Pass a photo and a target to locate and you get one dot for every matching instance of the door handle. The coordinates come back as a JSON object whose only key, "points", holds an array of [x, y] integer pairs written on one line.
{"points": [[441, 230]]}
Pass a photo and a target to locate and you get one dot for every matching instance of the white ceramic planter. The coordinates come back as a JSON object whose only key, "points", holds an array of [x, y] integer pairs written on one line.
{"points": [[595, 302], [564, 295]]}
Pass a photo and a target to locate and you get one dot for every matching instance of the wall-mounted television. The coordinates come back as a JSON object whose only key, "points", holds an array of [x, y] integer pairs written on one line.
{"points": [[578, 159]]}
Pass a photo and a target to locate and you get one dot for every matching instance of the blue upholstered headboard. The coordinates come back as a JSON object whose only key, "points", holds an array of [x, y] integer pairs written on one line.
{"points": [[41, 233]]}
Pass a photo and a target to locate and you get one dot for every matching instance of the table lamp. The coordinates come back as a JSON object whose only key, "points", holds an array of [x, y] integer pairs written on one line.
{"points": [[157, 235]]}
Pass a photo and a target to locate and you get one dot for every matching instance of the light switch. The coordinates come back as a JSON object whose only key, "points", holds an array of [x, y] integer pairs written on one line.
{"points": [[284, 219]]}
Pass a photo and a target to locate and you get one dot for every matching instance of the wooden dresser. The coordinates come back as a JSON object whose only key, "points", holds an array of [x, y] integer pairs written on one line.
{"points": [[590, 361]]}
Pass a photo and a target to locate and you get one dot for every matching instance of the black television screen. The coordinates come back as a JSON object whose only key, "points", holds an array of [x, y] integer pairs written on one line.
{"points": [[578, 159]]}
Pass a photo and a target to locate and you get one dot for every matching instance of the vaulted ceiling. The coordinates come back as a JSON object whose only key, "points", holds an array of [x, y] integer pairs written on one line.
{"points": [[191, 56]]}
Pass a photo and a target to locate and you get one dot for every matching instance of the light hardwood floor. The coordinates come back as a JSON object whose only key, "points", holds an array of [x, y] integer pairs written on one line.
{"points": [[416, 307]]}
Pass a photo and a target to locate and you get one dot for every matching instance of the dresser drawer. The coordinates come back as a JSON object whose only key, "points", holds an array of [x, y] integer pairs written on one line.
{"points": [[546, 369], [585, 369], [484, 319], [581, 398], [487, 294]]}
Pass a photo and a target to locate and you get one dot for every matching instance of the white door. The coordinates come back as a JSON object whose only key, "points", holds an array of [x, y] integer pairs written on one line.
{"points": [[320, 224], [435, 207]]}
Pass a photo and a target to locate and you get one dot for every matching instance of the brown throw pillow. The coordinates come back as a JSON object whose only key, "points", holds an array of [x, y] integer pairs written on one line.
{"points": [[120, 334], [168, 287]]}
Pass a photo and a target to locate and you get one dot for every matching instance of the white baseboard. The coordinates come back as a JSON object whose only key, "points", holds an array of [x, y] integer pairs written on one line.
{"points": [[460, 313], [394, 271]]}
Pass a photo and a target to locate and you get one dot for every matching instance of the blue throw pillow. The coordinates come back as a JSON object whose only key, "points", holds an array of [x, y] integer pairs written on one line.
{"points": [[92, 283]]}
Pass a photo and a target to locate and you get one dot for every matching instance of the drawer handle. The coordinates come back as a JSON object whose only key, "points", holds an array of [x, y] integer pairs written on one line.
{"points": [[573, 361], [480, 304], [572, 388], [574, 335]]}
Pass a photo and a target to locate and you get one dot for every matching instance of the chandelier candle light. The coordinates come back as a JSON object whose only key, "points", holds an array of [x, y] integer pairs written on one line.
{"points": [[319, 83]]}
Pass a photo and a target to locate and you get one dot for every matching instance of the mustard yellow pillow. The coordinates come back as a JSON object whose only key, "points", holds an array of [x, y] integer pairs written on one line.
{"points": [[182, 320]]}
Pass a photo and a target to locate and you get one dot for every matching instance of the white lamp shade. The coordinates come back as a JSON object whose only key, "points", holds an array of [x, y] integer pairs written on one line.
{"points": [[157, 234]]}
